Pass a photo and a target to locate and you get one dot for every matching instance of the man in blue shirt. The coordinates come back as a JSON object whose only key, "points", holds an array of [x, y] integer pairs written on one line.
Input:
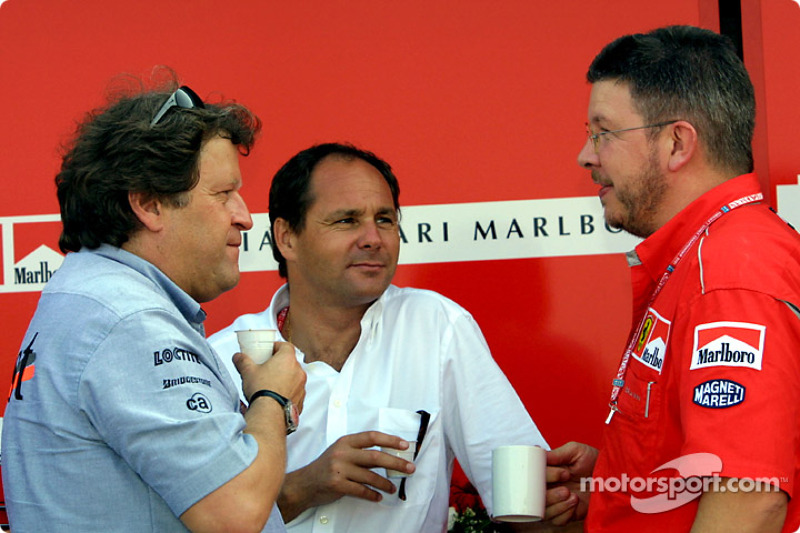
{"points": [[121, 417]]}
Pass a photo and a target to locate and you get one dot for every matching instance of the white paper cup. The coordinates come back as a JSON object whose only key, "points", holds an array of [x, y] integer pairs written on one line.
{"points": [[257, 343], [518, 483], [407, 454]]}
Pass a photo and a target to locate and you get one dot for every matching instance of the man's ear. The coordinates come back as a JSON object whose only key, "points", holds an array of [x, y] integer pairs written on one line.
{"points": [[284, 238], [148, 210], [684, 144]]}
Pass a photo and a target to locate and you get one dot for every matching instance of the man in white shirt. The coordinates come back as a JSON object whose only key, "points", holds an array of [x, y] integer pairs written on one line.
{"points": [[381, 361]]}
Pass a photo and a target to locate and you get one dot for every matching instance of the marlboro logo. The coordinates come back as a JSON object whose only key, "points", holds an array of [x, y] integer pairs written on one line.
{"points": [[29, 257], [737, 344], [652, 342], [38, 267]]}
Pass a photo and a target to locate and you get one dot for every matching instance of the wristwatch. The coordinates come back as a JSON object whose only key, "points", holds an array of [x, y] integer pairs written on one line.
{"points": [[289, 410]]}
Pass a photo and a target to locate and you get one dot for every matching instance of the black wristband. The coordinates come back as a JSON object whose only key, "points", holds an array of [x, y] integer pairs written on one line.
{"points": [[274, 395], [290, 413]]}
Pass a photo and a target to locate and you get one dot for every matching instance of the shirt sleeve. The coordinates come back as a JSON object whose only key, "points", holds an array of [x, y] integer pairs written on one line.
{"points": [[154, 392], [739, 384], [481, 409], [225, 345]]}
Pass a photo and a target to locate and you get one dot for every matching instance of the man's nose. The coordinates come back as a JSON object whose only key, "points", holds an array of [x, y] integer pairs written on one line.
{"points": [[587, 157], [241, 215]]}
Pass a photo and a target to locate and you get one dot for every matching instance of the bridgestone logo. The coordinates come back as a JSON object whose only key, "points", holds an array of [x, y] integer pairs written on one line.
{"points": [[168, 383]]}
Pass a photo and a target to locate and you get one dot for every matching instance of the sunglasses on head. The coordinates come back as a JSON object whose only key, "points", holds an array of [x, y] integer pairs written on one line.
{"points": [[184, 97]]}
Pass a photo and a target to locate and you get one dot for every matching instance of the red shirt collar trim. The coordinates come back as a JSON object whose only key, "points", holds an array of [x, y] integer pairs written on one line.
{"points": [[657, 250]]}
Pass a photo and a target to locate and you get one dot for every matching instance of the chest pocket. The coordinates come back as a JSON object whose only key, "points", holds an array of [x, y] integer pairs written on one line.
{"points": [[640, 404], [418, 488], [640, 397]]}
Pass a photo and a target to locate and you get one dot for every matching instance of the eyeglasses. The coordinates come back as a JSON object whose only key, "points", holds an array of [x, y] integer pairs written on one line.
{"points": [[595, 137], [184, 97]]}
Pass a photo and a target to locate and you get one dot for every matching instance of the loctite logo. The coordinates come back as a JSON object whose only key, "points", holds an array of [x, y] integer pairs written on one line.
{"points": [[737, 344]]}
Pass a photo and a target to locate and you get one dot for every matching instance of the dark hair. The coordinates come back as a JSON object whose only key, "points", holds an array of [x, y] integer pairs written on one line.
{"points": [[116, 151], [692, 74], [290, 196]]}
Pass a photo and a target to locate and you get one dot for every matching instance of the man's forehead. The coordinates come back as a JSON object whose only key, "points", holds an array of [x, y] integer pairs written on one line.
{"points": [[609, 100], [331, 171], [218, 163], [336, 163]]}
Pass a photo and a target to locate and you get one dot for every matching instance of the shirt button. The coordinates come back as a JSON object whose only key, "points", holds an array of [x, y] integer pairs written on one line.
{"points": [[323, 519], [337, 403]]}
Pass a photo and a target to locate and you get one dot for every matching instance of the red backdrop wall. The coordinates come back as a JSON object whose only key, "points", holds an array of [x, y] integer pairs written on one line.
{"points": [[471, 101]]}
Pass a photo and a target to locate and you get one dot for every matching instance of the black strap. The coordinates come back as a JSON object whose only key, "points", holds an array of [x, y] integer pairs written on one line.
{"points": [[274, 395], [424, 418], [19, 368]]}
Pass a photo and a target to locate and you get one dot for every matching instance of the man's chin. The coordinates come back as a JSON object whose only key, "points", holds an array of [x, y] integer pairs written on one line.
{"points": [[230, 281], [610, 218], [614, 223], [369, 292]]}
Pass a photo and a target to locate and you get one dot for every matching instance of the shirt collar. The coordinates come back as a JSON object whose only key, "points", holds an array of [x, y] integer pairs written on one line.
{"points": [[371, 316], [187, 306], [656, 252]]}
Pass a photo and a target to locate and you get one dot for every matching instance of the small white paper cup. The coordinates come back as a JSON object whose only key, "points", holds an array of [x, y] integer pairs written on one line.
{"points": [[518, 483], [257, 343], [407, 454]]}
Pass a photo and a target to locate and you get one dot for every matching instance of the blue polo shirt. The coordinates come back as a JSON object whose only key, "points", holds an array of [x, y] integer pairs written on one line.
{"points": [[123, 417]]}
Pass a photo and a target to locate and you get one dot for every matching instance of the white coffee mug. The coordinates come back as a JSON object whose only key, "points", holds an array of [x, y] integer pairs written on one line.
{"points": [[518, 483]]}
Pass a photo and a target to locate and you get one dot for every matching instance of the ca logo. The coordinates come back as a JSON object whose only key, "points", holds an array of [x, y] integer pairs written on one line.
{"points": [[199, 403]]}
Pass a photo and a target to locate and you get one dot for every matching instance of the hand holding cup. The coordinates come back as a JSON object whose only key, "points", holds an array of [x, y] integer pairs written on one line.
{"points": [[257, 344]]}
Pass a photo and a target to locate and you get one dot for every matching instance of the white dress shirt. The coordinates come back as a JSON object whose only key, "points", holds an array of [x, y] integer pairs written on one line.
{"points": [[418, 351]]}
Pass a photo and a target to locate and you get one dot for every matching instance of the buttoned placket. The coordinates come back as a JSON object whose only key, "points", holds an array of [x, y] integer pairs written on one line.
{"points": [[325, 516]]}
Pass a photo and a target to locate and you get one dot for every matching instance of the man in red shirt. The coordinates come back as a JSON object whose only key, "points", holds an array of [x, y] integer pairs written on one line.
{"points": [[704, 415]]}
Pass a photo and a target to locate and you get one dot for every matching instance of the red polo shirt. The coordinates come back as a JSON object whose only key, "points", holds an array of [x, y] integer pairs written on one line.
{"points": [[713, 386]]}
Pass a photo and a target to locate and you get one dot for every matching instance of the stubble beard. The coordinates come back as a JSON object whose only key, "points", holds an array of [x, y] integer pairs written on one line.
{"points": [[641, 200]]}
